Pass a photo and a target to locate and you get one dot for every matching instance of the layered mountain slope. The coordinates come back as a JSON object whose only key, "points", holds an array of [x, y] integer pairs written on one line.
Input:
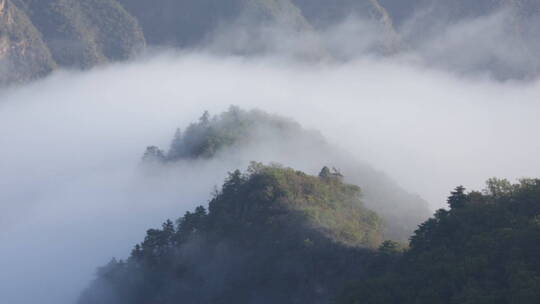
{"points": [[23, 54], [82, 34], [36, 36], [401, 11], [272, 235], [85, 33], [238, 137], [499, 36], [187, 23]]}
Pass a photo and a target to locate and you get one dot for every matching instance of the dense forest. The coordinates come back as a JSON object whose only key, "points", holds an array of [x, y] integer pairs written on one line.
{"points": [[288, 237], [484, 249], [277, 235], [240, 136], [270, 235]]}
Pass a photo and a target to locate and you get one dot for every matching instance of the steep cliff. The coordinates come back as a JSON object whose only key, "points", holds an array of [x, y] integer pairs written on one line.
{"points": [[23, 54], [36, 36], [85, 33]]}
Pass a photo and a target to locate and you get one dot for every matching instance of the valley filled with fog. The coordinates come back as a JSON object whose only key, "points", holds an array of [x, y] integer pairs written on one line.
{"points": [[74, 192]]}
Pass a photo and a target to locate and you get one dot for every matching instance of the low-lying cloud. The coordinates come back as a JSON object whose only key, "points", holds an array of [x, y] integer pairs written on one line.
{"points": [[72, 195]]}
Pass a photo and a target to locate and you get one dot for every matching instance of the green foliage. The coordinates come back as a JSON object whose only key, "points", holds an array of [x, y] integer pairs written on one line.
{"points": [[483, 250], [327, 205], [271, 233], [237, 130], [457, 199], [233, 128]]}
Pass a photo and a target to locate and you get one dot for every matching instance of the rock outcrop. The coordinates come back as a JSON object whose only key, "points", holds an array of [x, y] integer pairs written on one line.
{"points": [[37, 36], [23, 54]]}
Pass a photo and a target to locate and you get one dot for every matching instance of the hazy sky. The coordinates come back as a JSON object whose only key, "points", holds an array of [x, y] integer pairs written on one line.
{"points": [[72, 196]]}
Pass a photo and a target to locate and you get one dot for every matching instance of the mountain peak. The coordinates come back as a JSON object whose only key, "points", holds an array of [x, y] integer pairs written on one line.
{"points": [[275, 195], [270, 222]]}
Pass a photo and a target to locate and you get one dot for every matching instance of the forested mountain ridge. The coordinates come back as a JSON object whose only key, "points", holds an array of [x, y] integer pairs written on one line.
{"points": [[271, 235], [485, 249], [240, 136], [260, 242]]}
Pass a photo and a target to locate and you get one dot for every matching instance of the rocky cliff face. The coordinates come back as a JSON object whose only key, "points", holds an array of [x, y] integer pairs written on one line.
{"points": [[83, 33], [36, 36], [23, 54]]}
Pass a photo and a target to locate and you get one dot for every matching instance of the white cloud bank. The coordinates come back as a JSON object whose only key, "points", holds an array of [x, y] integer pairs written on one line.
{"points": [[71, 195]]}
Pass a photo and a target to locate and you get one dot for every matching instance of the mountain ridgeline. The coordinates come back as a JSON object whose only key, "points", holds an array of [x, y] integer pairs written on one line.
{"points": [[270, 235], [39, 36], [238, 137]]}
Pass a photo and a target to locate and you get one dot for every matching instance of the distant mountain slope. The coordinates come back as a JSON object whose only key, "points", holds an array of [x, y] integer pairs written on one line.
{"points": [[499, 36], [323, 13], [272, 235], [23, 54], [455, 10], [83, 33], [186, 23], [43, 34], [238, 136]]}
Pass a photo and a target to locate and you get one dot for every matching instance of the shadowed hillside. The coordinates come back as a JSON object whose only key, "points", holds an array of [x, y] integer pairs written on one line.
{"points": [[271, 235], [483, 250]]}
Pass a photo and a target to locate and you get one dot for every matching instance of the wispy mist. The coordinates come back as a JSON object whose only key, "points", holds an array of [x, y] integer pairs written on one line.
{"points": [[72, 194]]}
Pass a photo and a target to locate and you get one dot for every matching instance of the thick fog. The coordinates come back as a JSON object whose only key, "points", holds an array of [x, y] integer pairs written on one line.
{"points": [[73, 195]]}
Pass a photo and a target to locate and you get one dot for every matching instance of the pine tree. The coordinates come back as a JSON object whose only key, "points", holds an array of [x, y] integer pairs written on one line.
{"points": [[458, 198]]}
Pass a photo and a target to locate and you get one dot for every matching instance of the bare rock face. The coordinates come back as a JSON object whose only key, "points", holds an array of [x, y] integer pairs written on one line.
{"points": [[23, 54], [84, 33], [37, 36]]}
